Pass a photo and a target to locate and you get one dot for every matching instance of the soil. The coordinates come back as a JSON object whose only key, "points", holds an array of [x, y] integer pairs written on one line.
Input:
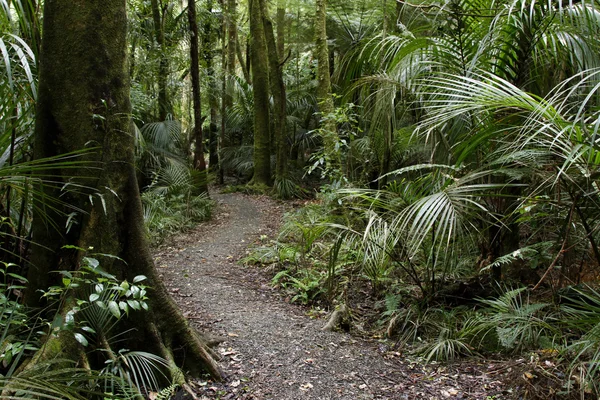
{"points": [[271, 349]]}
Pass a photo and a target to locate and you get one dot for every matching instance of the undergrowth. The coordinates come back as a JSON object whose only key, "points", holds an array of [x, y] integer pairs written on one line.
{"points": [[165, 215], [332, 252]]}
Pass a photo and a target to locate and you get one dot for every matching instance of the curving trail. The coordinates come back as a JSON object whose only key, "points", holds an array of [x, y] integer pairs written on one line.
{"points": [[272, 350]]}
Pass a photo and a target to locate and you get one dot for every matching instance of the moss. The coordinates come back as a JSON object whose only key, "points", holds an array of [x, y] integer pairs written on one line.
{"points": [[260, 78], [84, 101]]}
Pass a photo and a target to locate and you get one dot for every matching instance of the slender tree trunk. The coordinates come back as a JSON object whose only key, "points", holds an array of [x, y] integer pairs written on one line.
{"points": [[164, 105], [279, 96], [231, 46], [207, 49], [388, 124], [83, 101], [199, 162], [230, 56], [244, 64], [260, 78], [281, 5], [224, 89], [324, 94]]}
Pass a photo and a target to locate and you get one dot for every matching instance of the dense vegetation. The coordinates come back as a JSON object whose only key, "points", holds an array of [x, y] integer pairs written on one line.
{"points": [[449, 149]]}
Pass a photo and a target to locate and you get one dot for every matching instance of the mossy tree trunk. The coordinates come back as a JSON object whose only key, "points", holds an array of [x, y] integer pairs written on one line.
{"points": [[278, 93], [324, 93], [208, 42], [199, 162], [260, 79], [83, 101], [281, 20], [164, 104], [231, 48], [229, 33]]}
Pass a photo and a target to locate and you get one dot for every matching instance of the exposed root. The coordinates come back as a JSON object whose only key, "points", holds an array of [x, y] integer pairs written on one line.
{"points": [[337, 317]]}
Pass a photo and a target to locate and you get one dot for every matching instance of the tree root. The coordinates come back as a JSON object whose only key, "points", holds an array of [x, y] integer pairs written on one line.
{"points": [[337, 318]]}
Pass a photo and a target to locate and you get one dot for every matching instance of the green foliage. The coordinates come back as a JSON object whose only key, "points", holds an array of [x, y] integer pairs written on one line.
{"points": [[106, 301], [305, 286], [436, 334], [16, 326], [165, 215], [582, 317], [286, 188], [517, 323], [305, 227], [134, 371], [93, 302], [328, 159]]}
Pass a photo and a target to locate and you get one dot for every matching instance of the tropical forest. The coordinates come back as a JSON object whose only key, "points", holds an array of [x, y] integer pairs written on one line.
{"points": [[299, 199]]}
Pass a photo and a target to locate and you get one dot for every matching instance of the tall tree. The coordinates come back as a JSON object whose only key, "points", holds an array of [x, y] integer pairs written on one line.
{"points": [[83, 101], [260, 79], [208, 41], [281, 5], [199, 162], [324, 93], [229, 33], [164, 105], [278, 93]]}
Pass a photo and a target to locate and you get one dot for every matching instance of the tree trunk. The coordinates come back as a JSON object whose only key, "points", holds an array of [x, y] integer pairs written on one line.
{"points": [[231, 46], [207, 49], [164, 105], [83, 101], [281, 29], [260, 78], [279, 95], [243, 61], [324, 96], [199, 162]]}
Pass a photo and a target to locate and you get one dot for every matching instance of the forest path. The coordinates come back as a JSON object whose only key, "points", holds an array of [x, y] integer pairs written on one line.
{"points": [[272, 350]]}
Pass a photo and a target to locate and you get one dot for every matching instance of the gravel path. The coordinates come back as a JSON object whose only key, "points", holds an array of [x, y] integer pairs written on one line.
{"points": [[271, 349]]}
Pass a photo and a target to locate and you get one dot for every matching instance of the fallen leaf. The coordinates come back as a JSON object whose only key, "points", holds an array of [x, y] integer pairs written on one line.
{"points": [[235, 383]]}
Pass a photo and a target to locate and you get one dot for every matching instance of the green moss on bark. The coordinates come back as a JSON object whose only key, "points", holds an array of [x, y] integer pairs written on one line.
{"points": [[260, 79], [84, 102]]}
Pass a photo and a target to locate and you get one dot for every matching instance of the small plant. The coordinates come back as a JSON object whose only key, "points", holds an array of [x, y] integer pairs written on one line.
{"points": [[16, 326], [105, 300], [95, 301], [306, 285], [328, 160], [166, 214], [582, 316], [517, 323]]}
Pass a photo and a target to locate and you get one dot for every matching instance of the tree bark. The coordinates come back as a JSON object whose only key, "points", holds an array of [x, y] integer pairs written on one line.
{"points": [[199, 162], [279, 95], [164, 105], [207, 49], [324, 93], [281, 4], [260, 78], [244, 64], [83, 101], [231, 47]]}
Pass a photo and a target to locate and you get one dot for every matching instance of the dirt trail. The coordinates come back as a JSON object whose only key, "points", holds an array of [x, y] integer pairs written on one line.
{"points": [[272, 350]]}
